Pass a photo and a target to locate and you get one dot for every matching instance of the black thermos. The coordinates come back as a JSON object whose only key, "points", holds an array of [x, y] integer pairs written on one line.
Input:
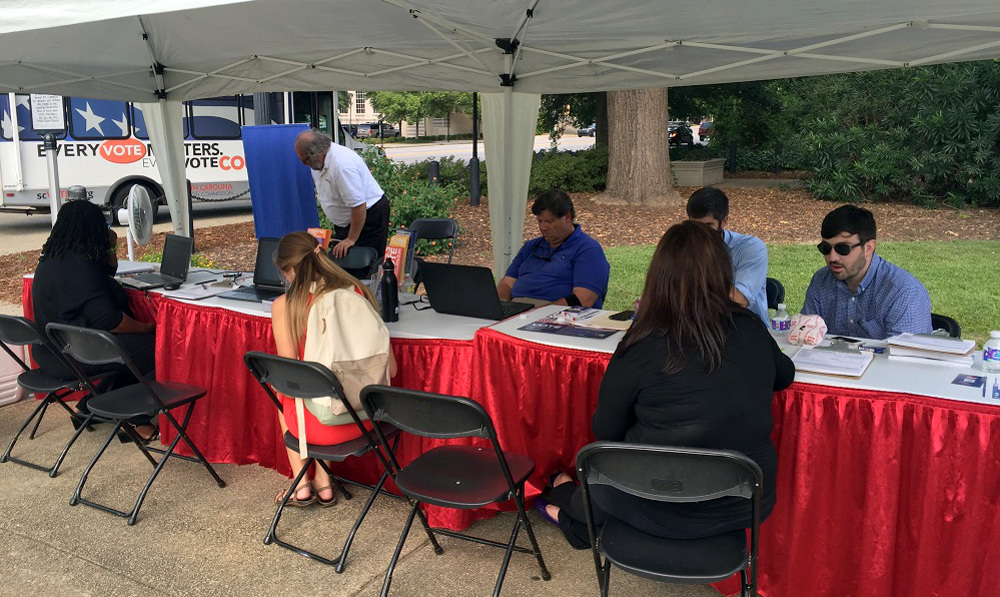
{"points": [[390, 292]]}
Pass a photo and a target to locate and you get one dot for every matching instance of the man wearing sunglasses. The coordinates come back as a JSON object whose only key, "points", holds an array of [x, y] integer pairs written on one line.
{"points": [[709, 205], [858, 293], [563, 266]]}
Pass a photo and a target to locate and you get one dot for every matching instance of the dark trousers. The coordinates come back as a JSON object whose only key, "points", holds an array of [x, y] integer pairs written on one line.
{"points": [[375, 232]]}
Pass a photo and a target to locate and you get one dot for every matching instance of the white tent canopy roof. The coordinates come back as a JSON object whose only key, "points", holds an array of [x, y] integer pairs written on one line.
{"points": [[96, 48]]}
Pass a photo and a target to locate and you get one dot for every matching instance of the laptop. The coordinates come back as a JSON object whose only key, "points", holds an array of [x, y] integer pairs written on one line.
{"points": [[173, 265], [267, 282], [466, 290]]}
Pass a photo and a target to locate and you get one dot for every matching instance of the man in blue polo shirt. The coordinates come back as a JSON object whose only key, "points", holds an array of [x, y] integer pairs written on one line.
{"points": [[563, 266], [858, 293], [709, 205]]}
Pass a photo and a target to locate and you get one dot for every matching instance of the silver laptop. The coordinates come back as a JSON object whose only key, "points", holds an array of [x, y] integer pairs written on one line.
{"points": [[174, 265], [267, 282]]}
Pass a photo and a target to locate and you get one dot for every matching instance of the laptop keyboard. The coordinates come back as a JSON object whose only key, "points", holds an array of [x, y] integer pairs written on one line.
{"points": [[254, 293], [150, 278]]}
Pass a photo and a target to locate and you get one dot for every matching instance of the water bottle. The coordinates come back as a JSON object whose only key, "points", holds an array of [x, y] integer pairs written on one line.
{"points": [[991, 353], [781, 322], [389, 291]]}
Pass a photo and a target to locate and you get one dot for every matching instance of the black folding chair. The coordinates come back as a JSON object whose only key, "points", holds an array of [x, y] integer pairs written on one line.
{"points": [[303, 379], [359, 260], [142, 399], [943, 322], [775, 292], [462, 477], [437, 229], [670, 474], [18, 331]]}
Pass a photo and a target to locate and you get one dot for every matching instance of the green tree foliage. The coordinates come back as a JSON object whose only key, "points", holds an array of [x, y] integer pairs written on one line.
{"points": [[927, 134], [412, 106]]}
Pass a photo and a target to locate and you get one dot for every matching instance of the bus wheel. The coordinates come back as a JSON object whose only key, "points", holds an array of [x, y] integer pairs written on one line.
{"points": [[120, 196]]}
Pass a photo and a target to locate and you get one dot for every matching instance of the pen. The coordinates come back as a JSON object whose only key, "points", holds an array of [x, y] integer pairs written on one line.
{"points": [[986, 382]]}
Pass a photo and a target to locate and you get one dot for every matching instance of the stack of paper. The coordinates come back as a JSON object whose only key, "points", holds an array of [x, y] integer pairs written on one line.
{"points": [[932, 349], [847, 363]]}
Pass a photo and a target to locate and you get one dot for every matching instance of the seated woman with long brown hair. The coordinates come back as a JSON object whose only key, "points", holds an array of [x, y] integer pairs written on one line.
{"points": [[696, 370], [310, 275]]}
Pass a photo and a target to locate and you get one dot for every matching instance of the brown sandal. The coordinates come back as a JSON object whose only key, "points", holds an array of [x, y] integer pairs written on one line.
{"points": [[325, 503], [294, 501]]}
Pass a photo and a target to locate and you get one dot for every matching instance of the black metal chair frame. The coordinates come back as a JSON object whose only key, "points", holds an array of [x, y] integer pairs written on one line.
{"points": [[671, 474], [775, 292], [358, 258], [308, 380], [437, 229], [97, 347], [18, 331], [473, 421], [948, 324]]}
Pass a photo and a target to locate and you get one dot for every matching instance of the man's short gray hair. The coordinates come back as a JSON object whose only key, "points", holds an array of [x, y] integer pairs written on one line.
{"points": [[316, 143]]}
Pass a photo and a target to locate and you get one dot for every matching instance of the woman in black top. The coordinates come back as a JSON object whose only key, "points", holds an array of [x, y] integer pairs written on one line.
{"points": [[74, 285], [694, 370]]}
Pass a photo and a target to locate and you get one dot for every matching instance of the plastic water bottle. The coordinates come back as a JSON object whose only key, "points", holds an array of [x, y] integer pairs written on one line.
{"points": [[991, 353], [781, 322], [389, 299]]}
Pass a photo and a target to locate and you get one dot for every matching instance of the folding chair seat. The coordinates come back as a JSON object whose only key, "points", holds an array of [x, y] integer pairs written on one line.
{"points": [[142, 399], [17, 331], [306, 380], [671, 474], [451, 476]]}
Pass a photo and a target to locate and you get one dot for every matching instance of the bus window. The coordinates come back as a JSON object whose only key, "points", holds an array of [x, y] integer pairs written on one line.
{"points": [[95, 119], [22, 105], [217, 118], [276, 106], [139, 123]]}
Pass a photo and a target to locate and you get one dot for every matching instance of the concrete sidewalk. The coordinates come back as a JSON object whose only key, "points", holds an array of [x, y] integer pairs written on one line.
{"points": [[193, 538]]}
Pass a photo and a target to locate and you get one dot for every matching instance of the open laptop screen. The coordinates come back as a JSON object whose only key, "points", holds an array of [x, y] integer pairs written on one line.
{"points": [[265, 272], [176, 256]]}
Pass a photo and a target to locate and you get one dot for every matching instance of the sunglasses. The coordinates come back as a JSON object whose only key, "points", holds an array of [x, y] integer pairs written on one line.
{"points": [[841, 248]]}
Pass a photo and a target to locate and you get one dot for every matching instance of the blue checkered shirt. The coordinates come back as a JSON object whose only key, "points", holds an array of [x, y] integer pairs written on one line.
{"points": [[888, 301]]}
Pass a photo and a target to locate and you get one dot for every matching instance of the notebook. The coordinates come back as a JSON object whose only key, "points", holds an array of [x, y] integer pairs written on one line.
{"points": [[466, 290], [173, 265], [267, 283]]}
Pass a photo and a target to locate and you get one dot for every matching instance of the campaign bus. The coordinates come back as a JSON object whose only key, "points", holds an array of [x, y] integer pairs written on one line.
{"points": [[104, 146]]}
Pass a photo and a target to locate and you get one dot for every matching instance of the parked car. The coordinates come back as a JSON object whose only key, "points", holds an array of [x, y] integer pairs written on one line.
{"points": [[587, 131], [371, 130], [678, 132], [705, 130], [351, 129]]}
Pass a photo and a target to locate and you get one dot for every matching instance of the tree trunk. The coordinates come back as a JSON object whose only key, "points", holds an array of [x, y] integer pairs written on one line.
{"points": [[638, 156], [601, 135]]}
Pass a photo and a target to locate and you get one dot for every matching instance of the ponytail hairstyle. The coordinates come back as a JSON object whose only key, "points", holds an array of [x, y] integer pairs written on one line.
{"points": [[686, 299], [315, 274]]}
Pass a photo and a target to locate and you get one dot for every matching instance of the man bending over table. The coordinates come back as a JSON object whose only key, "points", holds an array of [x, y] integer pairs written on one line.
{"points": [[563, 266], [858, 293]]}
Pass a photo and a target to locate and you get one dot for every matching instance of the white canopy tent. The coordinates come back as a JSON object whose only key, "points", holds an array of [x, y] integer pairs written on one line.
{"points": [[160, 52]]}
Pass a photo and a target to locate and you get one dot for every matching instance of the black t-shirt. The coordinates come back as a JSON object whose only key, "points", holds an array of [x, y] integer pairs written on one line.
{"points": [[76, 290], [729, 409]]}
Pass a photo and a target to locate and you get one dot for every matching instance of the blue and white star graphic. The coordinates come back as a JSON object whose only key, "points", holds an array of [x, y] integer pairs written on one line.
{"points": [[93, 120]]}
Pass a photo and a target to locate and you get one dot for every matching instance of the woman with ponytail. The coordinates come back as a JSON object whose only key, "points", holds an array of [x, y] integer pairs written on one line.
{"points": [[310, 275]]}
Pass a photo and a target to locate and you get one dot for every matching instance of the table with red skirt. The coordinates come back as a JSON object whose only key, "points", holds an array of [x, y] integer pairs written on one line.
{"points": [[879, 493]]}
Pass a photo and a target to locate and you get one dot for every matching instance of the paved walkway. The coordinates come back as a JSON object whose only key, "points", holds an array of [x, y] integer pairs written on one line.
{"points": [[193, 538]]}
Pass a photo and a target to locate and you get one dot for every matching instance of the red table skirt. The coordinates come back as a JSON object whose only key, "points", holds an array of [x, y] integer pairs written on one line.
{"points": [[879, 494]]}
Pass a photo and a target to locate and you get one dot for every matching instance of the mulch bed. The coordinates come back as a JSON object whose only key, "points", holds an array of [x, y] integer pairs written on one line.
{"points": [[775, 215]]}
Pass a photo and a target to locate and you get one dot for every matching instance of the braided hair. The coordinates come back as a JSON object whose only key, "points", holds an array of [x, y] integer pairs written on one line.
{"points": [[80, 228]]}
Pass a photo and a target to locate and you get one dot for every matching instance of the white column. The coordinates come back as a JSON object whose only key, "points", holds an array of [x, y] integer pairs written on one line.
{"points": [[509, 121], [164, 122]]}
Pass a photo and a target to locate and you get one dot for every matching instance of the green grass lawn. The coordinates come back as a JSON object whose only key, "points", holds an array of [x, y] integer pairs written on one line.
{"points": [[962, 277]]}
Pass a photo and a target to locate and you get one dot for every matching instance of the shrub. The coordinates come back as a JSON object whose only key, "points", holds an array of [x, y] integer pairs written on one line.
{"points": [[572, 171]]}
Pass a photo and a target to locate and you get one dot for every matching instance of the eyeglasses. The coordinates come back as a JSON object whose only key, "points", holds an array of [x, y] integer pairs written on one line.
{"points": [[538, 252], [841, 248]]}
